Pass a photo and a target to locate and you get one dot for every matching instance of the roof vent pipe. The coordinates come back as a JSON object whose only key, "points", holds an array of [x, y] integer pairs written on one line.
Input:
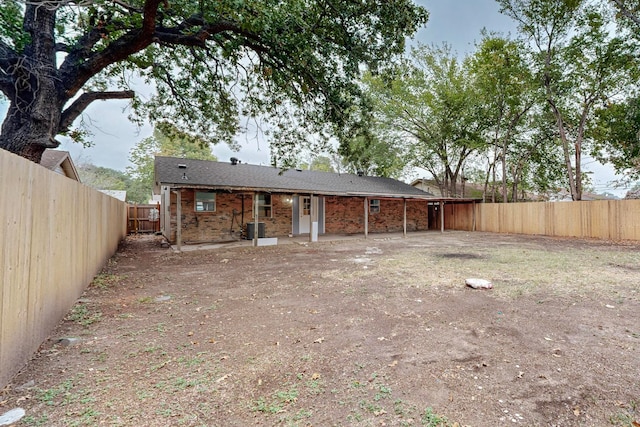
{"points": [[234, 161]]}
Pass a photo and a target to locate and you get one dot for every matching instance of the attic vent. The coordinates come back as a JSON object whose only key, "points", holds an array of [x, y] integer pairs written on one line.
{"points": [[182, 166], [234, 161], [360, 173]]}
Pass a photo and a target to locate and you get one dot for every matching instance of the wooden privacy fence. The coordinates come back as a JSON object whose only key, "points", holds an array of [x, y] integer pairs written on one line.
{"points": [[143, 218], [56, 236], [602, 219]]}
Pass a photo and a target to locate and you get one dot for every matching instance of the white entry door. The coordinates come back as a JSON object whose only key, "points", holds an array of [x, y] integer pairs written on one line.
{"points": [[308, 209]]}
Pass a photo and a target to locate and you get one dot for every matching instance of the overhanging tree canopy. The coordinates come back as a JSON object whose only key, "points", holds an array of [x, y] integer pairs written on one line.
{"points": [[210, 62]]}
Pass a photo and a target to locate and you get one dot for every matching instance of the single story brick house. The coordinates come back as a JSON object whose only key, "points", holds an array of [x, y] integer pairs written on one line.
{"points": [[205, 201]]}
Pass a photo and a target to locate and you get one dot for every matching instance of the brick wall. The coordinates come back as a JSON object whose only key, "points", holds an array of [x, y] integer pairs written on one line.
{"points": [[222, 224], [346, 215]]}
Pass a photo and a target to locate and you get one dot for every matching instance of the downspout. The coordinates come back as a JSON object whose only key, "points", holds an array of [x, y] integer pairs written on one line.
{"points": [[441, 216]]}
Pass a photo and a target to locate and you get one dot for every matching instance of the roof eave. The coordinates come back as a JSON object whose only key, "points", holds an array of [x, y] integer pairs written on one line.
{"points": [[231, 189]]}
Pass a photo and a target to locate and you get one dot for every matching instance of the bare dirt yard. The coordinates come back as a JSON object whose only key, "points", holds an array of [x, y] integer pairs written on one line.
{"points": [[376, 332]]}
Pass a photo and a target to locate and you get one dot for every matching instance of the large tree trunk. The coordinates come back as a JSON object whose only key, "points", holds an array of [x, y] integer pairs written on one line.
{"points": [[33, 118], [28, 133]]}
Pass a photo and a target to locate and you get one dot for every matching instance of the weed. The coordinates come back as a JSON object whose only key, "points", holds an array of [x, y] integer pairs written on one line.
{"points": [[145, 300], [192, 361], [144, 394], [315, 386], [81, 314], [354, 417], [105, 281], [48, 396], [261, 405], [277, 402], [383, 392], [370, 407], [151, 349], [402, 409], [287, 396], [431, 419], [356, 384], [101, 357], [32, 421], [627, 416], [166, 410], [302, 414], [87, 416]]}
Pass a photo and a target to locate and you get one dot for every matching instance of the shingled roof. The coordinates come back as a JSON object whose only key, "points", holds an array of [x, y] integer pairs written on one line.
{"points": [[186, 173], [59, 161]]}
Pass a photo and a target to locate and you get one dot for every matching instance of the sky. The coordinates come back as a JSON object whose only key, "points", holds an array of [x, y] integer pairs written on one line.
{"points": [[457, 23]]}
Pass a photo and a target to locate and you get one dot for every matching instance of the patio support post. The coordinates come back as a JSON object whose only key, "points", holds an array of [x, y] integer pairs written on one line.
{"points": [[366, 217], [256, 206], [310, 217], [404, 218], [441, 216], [179, 219]]}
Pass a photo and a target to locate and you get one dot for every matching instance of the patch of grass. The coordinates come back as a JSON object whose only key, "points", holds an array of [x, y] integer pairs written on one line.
{"points": [[627, 416], [383, 392], [88, 416], [357, 384], [373, 408], [33, 421], [314, 386], [49, 396], [82, 315], [105, 281], [431, 419], [351, 418], [403, 409], [276, 403], [101, 357], [192, 361]]}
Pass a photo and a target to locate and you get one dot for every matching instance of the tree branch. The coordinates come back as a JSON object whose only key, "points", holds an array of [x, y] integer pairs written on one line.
{"points": [[626, 12], [8, 58], [133, 41], [80, 104]]}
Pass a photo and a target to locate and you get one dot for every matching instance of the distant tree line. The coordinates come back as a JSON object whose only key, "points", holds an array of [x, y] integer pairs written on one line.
{"points": [[518, 115]]}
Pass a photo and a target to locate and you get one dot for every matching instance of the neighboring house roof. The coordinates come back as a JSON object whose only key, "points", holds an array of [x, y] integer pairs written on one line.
{"points": [[563, 195], [186, 173], [118, 194], [60, 162], [427, 186]]}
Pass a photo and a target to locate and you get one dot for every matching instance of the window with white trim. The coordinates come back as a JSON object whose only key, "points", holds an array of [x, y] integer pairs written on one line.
{"points": [[264, 206], [374, 206], [205, 201]]}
